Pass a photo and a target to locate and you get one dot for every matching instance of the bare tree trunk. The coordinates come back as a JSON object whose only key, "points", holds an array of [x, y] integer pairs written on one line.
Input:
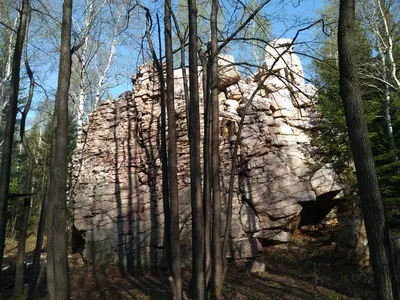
{"points": [[198, 280], [10, 126], [182, 39], [388, 118], [387, 106], [57, 268], [216, 249], [172, 159], [206, 166], [371, 201], [165, 186], [20, 267], [35, 280], [164, 157]]}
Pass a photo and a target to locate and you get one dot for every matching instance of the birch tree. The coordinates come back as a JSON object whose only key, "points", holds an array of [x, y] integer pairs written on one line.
{"points": [[102, 75], [83, 59], [6, 73], [376, 17]]}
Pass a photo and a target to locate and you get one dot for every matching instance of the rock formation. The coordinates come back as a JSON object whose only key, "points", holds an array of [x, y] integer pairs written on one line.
{"points": [[116, 181]]}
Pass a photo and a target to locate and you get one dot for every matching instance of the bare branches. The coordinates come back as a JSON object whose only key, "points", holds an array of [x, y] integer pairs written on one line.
{"points": [[46, 12], [109, 61], [91, 15], [243, 25], [8, 26]]}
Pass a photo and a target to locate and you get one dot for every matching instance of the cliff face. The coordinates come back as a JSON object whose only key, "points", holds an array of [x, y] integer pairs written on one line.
{"points": [[117, 186]]}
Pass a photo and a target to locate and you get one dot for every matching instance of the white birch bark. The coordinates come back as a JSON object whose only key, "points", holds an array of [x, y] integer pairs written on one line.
{"points": [[109, 61], [82, 73], [7, 74], [376, 20], [389, 45]]}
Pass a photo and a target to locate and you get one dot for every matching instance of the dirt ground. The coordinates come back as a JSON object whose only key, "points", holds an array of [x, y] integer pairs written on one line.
{"points": [[304, 269]]}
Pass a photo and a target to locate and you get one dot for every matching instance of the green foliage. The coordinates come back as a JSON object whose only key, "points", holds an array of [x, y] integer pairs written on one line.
{"points": [[39, 139], [331, 139]]}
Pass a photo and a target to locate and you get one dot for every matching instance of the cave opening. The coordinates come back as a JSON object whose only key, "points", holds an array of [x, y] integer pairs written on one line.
{"points": [[314, 212], [78, 241]]}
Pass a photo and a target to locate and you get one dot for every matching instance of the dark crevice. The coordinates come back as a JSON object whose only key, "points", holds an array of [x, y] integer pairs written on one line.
{"points": [[314, 212], [78, 241]]}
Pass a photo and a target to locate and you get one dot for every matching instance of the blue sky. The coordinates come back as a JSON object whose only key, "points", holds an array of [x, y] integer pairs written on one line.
{"points": [[288, 11], [284, 14]]}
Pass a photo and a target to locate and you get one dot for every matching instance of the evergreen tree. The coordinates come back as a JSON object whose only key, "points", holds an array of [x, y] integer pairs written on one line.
{"points": [[331, 138]]}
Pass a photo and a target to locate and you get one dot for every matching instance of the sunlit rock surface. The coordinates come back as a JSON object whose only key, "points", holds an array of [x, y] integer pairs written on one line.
{"points": [[117, 184]]}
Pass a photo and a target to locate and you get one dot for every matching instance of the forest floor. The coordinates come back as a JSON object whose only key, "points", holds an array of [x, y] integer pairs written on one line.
{"points": [[304, 269]]}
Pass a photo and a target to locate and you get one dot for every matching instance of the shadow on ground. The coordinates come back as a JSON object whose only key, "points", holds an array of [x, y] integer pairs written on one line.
{"points": [[303, 269]]}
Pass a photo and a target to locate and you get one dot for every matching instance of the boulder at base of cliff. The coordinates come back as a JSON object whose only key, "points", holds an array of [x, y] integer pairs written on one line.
{"points": [[352, 244]]}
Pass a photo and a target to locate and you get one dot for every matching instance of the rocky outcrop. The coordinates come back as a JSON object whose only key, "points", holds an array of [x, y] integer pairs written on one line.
{"points": [[117, 186]]}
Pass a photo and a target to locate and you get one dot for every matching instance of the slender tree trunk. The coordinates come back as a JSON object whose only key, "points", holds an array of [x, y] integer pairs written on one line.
{"points": [[183, 65], [57, 268], [10, 126], [185, 81], [206, 164], [172, 159], [388, 117], [164, 153], [216, 250], [81, 103], [82, 76], [371, 201], [164, 159], [20, 267], [35, 280], [164, 156], [387, 103], [198, 280], [37, 269]]}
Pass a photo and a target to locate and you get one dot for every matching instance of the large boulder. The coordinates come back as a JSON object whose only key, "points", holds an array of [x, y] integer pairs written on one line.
{"points": [[228, 73], [352, 244]]}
